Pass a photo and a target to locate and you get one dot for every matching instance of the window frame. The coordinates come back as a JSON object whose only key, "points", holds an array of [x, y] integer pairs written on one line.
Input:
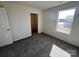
{"points": [[72, 22]]}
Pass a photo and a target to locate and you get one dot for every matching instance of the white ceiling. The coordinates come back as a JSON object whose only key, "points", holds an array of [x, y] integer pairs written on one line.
{"points": [[41, 4]]}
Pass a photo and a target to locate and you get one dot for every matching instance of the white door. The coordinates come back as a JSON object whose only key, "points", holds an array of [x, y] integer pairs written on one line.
{"points": [[5, 35]]}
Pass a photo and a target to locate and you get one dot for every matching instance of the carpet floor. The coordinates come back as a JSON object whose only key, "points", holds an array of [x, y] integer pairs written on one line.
{"points": [[38, 45]]}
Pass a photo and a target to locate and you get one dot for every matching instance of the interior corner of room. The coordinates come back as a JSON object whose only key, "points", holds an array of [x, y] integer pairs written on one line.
{"points": [[18, 21]]}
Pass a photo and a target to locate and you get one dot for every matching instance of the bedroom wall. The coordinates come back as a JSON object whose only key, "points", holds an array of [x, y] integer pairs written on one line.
{"points": [[49, 23], [19, 19]]}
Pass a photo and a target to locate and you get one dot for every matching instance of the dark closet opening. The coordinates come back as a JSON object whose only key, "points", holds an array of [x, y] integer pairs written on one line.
{"points": [[34, 23]]}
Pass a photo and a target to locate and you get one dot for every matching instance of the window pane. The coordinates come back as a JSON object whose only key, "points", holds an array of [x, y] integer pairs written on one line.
{"points": [[65, 20]]}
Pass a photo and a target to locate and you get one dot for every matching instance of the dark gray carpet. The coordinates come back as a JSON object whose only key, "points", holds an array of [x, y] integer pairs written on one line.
{"points": [[39, 45]]}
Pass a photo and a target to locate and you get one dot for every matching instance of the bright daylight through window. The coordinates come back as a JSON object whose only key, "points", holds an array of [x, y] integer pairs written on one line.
{"points": [[65, 20]]}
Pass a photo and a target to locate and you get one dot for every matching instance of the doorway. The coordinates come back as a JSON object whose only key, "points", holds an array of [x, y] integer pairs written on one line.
{"points": [[34, 23]]}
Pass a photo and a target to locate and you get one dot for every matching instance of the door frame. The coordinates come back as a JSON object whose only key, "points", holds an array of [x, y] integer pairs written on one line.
{"points": [[31, 21]]}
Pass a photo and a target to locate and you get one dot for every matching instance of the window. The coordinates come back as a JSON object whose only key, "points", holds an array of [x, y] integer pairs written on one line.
{"points": [[65, 20]]}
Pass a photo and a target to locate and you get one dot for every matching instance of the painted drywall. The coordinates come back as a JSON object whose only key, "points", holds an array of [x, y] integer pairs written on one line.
{"points": [[49, 23], [19, 19]]}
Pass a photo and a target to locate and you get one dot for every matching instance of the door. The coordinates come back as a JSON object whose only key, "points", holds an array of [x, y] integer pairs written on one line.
{"points": [[5, 35], [34, 23]]}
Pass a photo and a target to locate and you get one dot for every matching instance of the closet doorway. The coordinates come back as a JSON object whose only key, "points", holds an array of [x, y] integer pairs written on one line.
{"points": [[34, 23]]}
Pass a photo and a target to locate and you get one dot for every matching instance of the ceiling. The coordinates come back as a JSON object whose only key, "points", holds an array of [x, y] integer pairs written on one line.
{"points": [[41, 4]]}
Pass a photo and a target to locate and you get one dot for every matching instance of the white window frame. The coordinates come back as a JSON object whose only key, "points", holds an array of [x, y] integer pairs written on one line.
{"points": [[58, 19]]}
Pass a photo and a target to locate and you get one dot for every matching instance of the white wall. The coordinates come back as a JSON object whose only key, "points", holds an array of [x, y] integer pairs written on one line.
{"points": [[19, 19], [49, 23]]}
